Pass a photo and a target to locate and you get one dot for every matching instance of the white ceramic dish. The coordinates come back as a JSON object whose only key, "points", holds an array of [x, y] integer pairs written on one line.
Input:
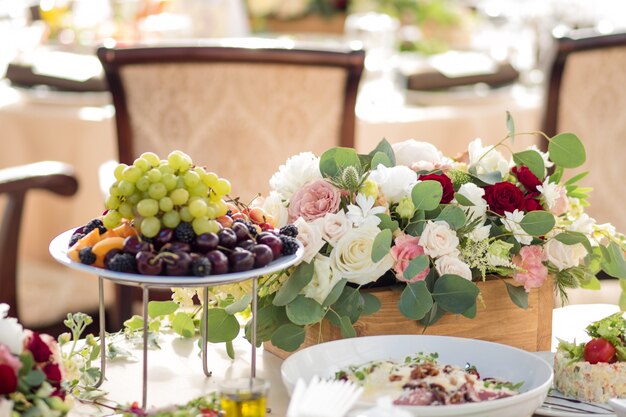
{"points": [[559, 405], [491, 359], [619, 406], [58, 249]]}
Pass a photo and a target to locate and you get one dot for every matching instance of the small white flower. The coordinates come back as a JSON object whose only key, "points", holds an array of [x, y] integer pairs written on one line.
{"points": [[297, 171], [563, 256], [487, 159], [351, 258], [364, 211], [474, 194], [512, 224], [274, 206], [480, 233], [11, 332], [323, 280], [412, 152], [183, 296], [439, 239], [448, 264], [602, 234], [6, 407], [583, 224], [334, 226], [395, 182], [550, 192], [310, 235]]}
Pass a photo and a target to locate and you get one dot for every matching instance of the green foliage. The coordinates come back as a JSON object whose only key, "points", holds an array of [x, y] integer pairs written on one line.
{"points": [[415, 301], [532, 160], [518, 295], [566, 150], [334, 160], [223, 327], [381, 245], [537, 223], [300, 277], [426, 195], [453, 215], [288, 337], [416, 266], [454, 293], [303, 310], [384, 148], [161, 308]]}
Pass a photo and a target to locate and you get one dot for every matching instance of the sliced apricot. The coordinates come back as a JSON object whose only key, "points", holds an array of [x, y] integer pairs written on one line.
{"points": [[124, 230], [103, 247]]}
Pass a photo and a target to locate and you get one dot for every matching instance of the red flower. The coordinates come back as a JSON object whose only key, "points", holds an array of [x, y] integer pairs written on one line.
{"points": [[446, 184], [53, 374], [40, 350], [504, 196], [531, 204], [8, 380], [526, 177]]}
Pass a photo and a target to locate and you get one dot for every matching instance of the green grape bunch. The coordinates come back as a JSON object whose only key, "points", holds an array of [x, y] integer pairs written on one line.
{"points": [[159, 193]]}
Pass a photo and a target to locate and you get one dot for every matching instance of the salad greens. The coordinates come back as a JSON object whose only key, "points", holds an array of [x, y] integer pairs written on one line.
{"points": [[611, 328]]}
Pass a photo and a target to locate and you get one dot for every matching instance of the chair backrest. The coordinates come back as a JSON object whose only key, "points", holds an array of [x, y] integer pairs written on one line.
{"points": [[587, 96], [238, 110], [15, 182]]}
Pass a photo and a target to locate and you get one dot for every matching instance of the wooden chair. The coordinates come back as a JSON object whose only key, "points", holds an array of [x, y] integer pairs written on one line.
{"points": [[240, 107], [587, 95]]}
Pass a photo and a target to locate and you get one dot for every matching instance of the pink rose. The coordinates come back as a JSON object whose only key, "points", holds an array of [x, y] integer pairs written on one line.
{"points": [[7, 358], [561, 202], [314, 200], [532, 272], [405, 249]]}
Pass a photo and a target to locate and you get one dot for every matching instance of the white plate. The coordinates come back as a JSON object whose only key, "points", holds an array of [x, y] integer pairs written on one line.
{"points": [[559, 405], [58, 249], [491, 359]]}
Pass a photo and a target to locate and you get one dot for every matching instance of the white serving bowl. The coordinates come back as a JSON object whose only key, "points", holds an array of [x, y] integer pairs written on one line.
{"points": [[491, 360]]}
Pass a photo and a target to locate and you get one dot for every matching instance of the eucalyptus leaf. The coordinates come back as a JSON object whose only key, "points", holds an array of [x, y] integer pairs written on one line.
{"points": [[161, 308], [415, 301], [381, 158], [432, 316], [27, 361], [470, 313], [299, 279], [566, 150], [350, 304], [335, 293], [386, 148], [183, 324], [518, 295], [334, 160], [537, 223], [417, 224], [239, 305], [572, 238], [426, 195], [416, 266], [387, 223], [34, 377], [532, 160], [347, 330], [304, 310], [462, 200], [381, 245], [454, 293], [223, 327], [288, 337], [371, 303], [269, 318], [230, 349], [453, 215], [510, 126], [490, 177], [613, 262], [134, 323]]}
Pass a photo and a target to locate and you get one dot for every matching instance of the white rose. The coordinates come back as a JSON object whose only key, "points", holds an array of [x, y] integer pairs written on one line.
{"points": [[274, 206], [6, 407], [583, 224], [334, 226], [412, 151], [297, 171], [310, 235], [487, 159], [395, 182], [439, 239], [452, 265], [323, 280], [512, 222], [475, 195], [563, 256], [11, 332], [351, 258]]}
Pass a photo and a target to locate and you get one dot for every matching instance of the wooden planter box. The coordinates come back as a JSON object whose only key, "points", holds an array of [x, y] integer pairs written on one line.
{"points": [[308, 24], [497, 320]]}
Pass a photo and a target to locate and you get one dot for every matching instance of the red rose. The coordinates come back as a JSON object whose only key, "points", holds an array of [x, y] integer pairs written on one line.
{"points": [[526, 177], [40, 350], [53, 374], [8, 380], [531, 204], [504, 196], [446, 184]]}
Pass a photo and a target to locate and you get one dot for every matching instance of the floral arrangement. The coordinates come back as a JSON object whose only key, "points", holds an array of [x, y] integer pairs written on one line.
{"points": [[293, 9], [408, 215]]}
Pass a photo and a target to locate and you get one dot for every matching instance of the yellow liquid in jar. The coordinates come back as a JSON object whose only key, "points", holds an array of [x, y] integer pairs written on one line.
{"points": [[242, 406]]}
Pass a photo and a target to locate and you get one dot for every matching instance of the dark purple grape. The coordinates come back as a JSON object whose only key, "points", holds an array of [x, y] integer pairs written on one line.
{"points": [[134, 245], [163, 237], [246, 244], [148, 263], [273, 241], [176, 247], [219, 262], [241, 260], [205, 242], [176, 263], [228, 238], [262, 255], [241, 230]]}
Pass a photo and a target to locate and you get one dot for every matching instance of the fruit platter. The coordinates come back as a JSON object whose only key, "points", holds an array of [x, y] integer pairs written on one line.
{"points": [[171, 223]]}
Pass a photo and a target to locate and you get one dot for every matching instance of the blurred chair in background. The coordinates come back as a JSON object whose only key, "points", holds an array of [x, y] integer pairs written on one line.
{"points": [[587, 96], [39, 297], [240, 108]]}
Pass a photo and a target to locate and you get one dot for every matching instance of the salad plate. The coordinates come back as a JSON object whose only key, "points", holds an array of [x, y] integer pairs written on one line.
{"points": [[491, 360], [559, 405], [59, 248]]}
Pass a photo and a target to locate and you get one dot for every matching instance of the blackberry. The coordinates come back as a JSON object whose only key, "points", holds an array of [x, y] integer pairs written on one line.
{"points": [[289, 230], [86, 256], [290, 245], [122, 262], [75, 238], [95, 223], [184, 232], [251, 228], [201, 267]]}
